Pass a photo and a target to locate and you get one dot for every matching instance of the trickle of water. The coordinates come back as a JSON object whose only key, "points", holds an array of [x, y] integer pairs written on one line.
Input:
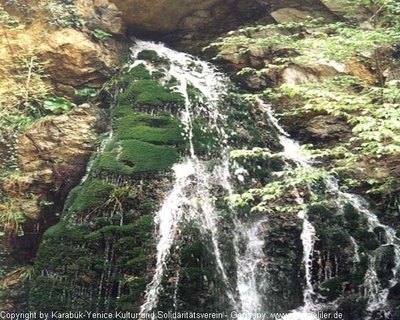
{"points": [[376, 294], [307, 239], [248, 269], [356, 250], [292, 151]]}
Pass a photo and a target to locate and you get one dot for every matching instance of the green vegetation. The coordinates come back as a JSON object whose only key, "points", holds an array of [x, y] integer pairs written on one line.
{"points": [[152, 56], [57, 105], [369, 106], [132, 156], [91, 195], [150, 93], [101, 35], [160, 130], [62, 14], [11, 220]]}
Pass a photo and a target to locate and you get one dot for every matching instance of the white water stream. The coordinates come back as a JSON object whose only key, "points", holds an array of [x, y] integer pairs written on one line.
{"points": [[374, 292], [292, 151]]}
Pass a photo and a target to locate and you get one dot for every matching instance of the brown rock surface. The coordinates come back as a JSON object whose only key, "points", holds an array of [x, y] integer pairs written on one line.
{"points": [[73, 59], [66, 139]]}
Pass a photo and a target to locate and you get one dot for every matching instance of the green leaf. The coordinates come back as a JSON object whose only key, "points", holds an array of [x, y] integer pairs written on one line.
{"points": [[86, 92], [57, 105]]}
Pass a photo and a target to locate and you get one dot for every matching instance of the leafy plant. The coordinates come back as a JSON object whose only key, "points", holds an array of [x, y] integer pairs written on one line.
{"points": [[57, 105], [87, 92], [63, 14], [372, 110], [101, 35], [11, 220]]}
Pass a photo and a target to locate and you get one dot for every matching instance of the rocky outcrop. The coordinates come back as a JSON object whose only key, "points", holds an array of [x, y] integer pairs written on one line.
{"points": [[189, 24], [52, 159], [289, 10], [102, 14]]}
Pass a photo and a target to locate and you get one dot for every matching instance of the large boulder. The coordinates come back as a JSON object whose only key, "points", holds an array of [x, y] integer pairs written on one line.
{"points": [[73, 59]]}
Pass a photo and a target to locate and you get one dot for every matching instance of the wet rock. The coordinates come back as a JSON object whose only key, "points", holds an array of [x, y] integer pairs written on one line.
{"points": [[66, 138], [15, 286], [298, 8], [52, 155]]}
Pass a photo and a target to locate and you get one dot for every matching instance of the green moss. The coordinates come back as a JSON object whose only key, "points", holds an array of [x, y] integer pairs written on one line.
{"points": [[150, 93], [332, 288], [92, 194], [367, 240], [132, 156], [153, 129], [138, 263], [352, 308], [121, 111], [205, 140], [48, 294], [385, 264], [333, 238], [158, 74], [140, 230], [130, 301], [138, 72], [195, 95], [322, 215], [352, 216]]}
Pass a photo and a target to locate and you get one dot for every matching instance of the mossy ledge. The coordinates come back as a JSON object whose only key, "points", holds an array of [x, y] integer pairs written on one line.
{"points": [[99, 256]]}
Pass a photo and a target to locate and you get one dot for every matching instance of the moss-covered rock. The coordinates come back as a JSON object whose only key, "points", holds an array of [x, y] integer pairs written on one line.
{"points": [[100, 252], [160, 130], [193, 281], [152, 56], [150, 93], [132, 156], [91, 195]]}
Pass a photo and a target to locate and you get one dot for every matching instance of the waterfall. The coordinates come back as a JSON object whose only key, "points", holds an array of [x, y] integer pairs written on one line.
{"points": [[249, 268], [191, 199], [240, 259]]}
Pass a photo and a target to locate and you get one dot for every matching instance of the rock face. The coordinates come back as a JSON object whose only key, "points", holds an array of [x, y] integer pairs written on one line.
{"points": [[103, 15], [182, 21], [190, 23], [289, 10], [74, 60], [52, 158]]}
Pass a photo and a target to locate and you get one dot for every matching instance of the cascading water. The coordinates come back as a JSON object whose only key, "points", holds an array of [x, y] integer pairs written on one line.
{"points": [[190, 199], [249, 268], [376, 294], [229, 258]]}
